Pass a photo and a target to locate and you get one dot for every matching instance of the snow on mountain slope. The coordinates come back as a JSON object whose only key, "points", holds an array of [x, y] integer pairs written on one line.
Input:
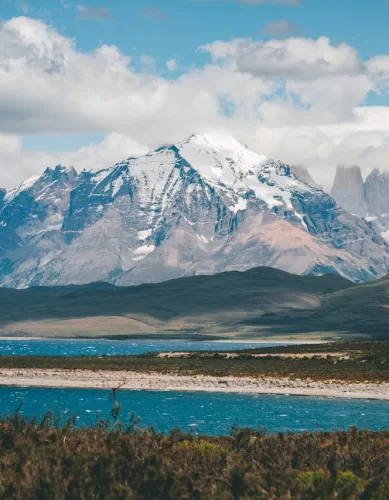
{"points": [[31, 219], [201, 206], [228, 165]]}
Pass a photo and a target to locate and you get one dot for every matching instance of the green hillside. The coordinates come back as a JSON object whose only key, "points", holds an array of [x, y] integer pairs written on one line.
{"points": [[258, 302]]}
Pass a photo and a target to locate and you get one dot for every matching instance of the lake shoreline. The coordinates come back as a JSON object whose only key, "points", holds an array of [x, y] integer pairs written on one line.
{"points": [[89, 379], [168, 338]]}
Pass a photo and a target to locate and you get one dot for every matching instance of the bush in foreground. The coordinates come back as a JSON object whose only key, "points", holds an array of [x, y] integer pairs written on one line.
{"points": [[43, 460]]}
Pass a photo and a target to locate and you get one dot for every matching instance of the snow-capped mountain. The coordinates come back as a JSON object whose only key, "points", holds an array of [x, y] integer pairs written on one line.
{"points": [[204, 205]]}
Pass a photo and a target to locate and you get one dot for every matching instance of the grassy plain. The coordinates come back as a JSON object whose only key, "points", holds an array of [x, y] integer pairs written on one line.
{"points": [[344, 361]]}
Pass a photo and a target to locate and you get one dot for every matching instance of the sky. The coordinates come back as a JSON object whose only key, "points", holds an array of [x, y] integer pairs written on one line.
{"points": [[91, 83]]}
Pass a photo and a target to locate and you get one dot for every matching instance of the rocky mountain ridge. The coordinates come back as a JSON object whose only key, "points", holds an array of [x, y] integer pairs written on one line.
{"points": [[204, 205], [367, 198]]}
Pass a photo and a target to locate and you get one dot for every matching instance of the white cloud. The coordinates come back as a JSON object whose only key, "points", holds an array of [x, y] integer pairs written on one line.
{"points": [[363, 141], [314, 82], [171, 65], [378, 69], [71, 91], [294, 58], [297, 99], [18, 165], [148, 63]]}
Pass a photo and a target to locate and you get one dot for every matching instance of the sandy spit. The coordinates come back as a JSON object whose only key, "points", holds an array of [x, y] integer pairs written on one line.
{"points": [[271, 341], [32, 377]]}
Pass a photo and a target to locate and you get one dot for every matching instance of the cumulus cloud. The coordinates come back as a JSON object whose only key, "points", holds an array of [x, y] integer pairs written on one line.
{"points": [[31, 46], [315, 82], [171, 65], [378, 69], [148, 63], [299, 100], [294, 58], [72, 91]]}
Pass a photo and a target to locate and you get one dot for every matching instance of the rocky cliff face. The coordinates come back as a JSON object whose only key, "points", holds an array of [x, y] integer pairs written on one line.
{"points": [[204, 205], [31, 219], [377, 193], [369, 199], [302, 174], [349, 189]]}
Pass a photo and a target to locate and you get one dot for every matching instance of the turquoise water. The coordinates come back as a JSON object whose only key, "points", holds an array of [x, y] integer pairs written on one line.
{"points": [[114, 347], [209, 413]]}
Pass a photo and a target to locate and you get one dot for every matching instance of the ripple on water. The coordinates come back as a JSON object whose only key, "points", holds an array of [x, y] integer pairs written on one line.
{"points": [[114, 347]]}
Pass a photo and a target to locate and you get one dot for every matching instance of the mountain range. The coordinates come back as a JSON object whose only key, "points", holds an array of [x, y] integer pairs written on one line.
{"points": [[202, 206]]}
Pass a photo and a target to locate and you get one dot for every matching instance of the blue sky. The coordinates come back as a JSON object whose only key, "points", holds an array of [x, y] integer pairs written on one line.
{"points": [[151, 33], [175, 28]]}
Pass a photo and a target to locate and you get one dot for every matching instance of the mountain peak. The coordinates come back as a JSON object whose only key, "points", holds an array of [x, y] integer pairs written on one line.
{"points": [[349, 189], [355, 169], [303, 174], [364, 198], [24, 186], [50, 174], [215, 141], [376, 173], [59, 171], [220, 158]]}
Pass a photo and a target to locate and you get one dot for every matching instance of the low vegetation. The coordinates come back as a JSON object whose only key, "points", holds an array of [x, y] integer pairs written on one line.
{"points": [[257, 302], [45, 460], [348, 361]]}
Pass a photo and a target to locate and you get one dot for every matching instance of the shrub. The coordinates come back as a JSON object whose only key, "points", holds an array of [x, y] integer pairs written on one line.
{"points": [[46, 460]]}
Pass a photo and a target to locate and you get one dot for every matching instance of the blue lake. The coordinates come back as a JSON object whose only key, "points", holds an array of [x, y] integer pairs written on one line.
{"points": [[210, 413], [115, 347]]}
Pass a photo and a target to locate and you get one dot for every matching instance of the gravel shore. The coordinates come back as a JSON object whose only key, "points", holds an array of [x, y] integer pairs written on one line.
{"points": [[165, 382]]}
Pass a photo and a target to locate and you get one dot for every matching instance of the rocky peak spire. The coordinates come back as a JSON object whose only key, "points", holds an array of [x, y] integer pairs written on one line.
{"points": [[349, 189], [377, 193]]}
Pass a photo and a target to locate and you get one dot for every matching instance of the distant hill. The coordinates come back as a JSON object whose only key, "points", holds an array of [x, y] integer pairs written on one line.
{"points": [[260, 301], [364, 308]]}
